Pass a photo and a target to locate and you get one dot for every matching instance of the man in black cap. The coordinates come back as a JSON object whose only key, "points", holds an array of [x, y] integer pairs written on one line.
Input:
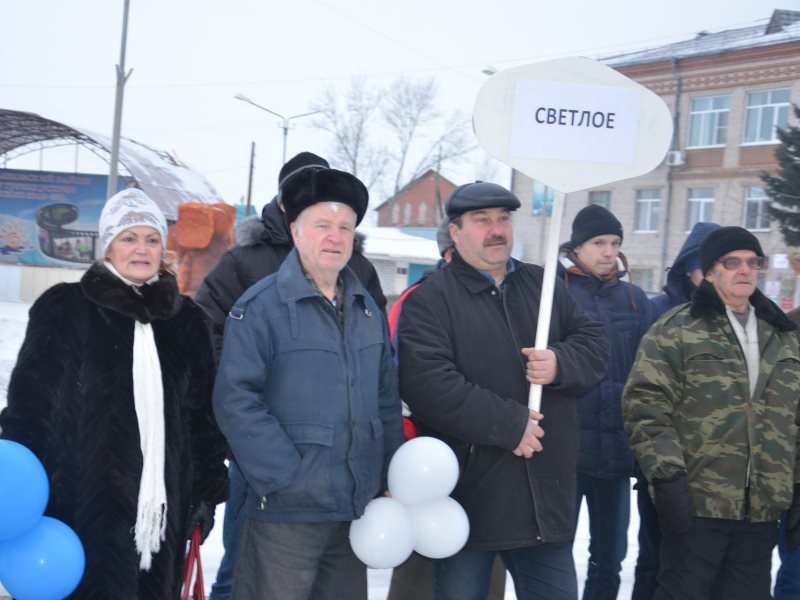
{"points": [[261, 246], [306, 394], [592, 270], [466, 361], [682, 280], [713, 411]]}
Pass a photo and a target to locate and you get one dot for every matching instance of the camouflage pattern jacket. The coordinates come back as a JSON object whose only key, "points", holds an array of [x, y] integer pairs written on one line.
{"points": [[686, 407]]}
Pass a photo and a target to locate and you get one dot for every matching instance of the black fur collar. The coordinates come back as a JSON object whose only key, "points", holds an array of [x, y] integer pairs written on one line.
{"points": [[706, 302], [159, 300]]}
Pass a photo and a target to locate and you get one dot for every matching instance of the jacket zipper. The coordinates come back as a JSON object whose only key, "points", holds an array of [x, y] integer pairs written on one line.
{"points": [[518, 346]]}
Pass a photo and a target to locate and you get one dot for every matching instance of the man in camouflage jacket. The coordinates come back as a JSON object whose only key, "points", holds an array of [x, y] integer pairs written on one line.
{"points": [[711, 407]]}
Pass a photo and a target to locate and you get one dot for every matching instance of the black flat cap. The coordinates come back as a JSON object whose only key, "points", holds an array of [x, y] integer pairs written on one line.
{"points": [[479, 195]]}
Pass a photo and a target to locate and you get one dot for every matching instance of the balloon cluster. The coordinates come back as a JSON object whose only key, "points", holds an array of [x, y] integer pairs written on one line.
{"points": [[419, 515], [41, 558]]}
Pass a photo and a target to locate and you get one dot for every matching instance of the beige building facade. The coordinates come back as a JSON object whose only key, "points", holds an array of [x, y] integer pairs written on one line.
{"points": [[727, 92]]}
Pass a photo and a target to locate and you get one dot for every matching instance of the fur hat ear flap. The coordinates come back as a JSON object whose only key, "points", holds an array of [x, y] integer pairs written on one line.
{"points": [[310, 186]]}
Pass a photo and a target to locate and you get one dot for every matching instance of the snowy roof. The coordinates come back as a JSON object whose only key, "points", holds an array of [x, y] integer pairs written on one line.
{"points": [[161, 175], [392, 243], [783, 27]]}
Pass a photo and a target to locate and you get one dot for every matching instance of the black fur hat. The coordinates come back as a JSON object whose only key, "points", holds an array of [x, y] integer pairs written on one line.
{"points": [[310, 186]]}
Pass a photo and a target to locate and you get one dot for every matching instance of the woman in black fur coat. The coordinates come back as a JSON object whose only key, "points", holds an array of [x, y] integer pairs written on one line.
{"points": [[112, 392]]}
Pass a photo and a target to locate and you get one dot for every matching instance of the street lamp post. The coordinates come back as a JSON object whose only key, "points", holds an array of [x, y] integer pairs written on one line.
{"points": [[285, 120], [122, 78]]}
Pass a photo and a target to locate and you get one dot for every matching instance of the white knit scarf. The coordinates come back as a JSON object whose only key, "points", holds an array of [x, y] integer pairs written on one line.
{"points": [[748, 339], [148, 398]]}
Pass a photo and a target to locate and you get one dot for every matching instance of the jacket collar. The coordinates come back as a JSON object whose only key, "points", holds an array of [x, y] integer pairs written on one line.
{"points": [[475, 280], [158, 300], [293, 285], [706, 303]]}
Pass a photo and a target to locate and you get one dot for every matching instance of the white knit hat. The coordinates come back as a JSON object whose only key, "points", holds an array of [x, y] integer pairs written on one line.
{"points": [[129, 208]]}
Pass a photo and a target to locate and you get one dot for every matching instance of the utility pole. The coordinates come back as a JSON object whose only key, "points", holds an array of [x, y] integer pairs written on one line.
{"points": [[122, 78], [250, 180]]}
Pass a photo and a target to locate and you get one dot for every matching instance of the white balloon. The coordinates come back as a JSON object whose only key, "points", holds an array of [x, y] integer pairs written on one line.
{"points": [[441, 528], [422, 470], [383, 537]]}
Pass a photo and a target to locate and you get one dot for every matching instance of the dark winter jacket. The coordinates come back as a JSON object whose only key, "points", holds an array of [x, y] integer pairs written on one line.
{"points": [[626, 313], [310, 408], [70, 400], [679, 288], [262, 245], [463, 375]]}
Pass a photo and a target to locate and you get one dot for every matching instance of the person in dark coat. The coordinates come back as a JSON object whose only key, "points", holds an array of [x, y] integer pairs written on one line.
{"points": [[787, 581], [685, 274], [683, 278], [466, 361], [592, 271], [122, 352], [413, 580], [261, 246]]}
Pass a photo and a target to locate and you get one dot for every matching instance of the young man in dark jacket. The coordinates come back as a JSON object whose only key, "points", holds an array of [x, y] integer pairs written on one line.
{"points": [[262, 245], [592, 271], [466, 361]]}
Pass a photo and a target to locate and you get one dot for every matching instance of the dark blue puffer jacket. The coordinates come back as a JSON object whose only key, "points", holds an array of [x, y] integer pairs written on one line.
{"points": [[679, 288], [627, 314]]}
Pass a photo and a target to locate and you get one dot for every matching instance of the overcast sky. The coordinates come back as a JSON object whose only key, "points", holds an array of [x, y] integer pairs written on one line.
{"points": [[190, 57]]}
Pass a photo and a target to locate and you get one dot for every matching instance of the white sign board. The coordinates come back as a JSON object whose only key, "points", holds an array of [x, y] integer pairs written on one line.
{"points": [[572, 123], [605, 132]]}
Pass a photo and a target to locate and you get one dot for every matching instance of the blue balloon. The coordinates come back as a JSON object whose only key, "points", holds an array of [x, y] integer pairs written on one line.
{"points": [[23, 489], [45, 563]]}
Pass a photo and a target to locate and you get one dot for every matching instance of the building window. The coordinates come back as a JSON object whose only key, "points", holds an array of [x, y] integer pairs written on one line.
{"points": [[701, 206], [542, 200], [708, 121], [756, 209], [647, 207], [601, 198], [407, 214], [395, 213], [643, 278], [766, 110], [422, 215]]}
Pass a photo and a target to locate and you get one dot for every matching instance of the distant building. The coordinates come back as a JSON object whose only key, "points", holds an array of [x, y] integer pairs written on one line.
{"points": [[418, 204], [727, 91]]}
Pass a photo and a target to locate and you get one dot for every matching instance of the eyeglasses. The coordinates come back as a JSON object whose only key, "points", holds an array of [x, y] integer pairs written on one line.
{"points": [[732, 263]]}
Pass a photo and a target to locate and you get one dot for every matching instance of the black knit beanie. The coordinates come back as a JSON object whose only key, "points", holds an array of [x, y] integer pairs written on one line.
{"points": [[723, 240], [300, 161], [594, 220]]}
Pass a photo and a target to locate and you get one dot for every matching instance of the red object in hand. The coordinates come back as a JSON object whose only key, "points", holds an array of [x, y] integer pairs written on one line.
{"points": [[192, 559]]}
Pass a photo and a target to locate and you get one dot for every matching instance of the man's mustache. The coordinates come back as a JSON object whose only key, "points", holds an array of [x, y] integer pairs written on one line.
{"points": [[495, 239]]}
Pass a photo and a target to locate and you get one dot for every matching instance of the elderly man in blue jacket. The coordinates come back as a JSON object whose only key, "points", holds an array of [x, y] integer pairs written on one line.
{"points": [[306, 394]]}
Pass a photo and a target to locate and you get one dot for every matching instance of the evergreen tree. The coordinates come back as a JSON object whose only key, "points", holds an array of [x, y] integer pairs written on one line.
{"points": [[784, 187]]}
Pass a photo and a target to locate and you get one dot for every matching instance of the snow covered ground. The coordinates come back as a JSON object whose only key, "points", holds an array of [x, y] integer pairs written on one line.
{"points": [[13, 319]]}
